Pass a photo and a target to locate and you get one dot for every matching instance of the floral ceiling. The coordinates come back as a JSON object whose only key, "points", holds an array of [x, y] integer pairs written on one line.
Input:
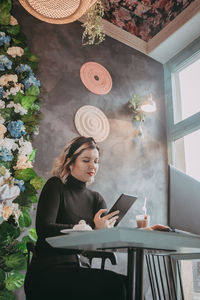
{"points": [[143, 18]]}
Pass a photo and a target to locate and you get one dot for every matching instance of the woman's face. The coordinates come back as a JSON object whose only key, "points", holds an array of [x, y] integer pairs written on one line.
{"points": [[86, 165]]}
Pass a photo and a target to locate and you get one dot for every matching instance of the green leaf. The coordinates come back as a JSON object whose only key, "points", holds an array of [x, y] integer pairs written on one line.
{"points": [[6, 164], [34, 58], [25, 174], [8, 233], [27, 218], [33, 234], [16, 261], [18, 97], [5, 7], [14, 281], [2, 276], [32, 155], [21, 221], [13, 30], [26, 239], [27, 101], [4, 17], [38, 182], [33, 199], [6, 113], [16, 42], [33, 91], [2, 170], [6, 295]]}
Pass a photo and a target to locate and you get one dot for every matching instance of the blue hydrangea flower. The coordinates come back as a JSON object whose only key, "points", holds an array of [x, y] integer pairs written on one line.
{"points": [[29, 81], [5, 155], [20, 184], [5, 63], [4, 39], [1, 92], [23, 68], [16, 128]]}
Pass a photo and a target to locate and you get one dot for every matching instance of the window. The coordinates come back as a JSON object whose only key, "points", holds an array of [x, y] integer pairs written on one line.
{"points": [[186, 90], [187, 154], [182, 95], [182, 86]]}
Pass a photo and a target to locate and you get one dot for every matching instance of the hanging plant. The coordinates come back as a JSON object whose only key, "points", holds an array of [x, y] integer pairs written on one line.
{"points": [[94, 32], [19, 119], [135, 106]]}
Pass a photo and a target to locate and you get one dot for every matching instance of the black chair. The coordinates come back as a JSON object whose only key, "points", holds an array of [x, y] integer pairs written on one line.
{"points": [[164, 276], [105, 284], [90, 255]]}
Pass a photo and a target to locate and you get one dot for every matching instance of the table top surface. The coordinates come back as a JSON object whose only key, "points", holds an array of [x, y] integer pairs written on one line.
{"points": [[121, 237]]}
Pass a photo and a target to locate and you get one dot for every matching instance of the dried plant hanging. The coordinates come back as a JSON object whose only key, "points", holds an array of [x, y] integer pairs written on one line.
{"points": [[94, 32]]}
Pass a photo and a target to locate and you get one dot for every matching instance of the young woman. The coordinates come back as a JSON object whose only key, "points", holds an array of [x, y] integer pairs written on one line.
{"points": [[64, 201]]}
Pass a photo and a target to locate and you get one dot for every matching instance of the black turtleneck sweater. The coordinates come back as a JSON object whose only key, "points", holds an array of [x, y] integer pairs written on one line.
{"points": [[61, 206]]}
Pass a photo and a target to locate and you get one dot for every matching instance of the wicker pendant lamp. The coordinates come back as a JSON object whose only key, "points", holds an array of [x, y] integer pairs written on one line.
{"points": [[57, 11]]}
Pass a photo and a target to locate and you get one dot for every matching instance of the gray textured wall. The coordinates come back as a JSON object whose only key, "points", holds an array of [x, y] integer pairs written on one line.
{"points": [[131, 164]]}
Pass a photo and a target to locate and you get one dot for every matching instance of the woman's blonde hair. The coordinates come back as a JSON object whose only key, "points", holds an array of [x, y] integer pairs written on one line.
{"points": [[61, 165]]}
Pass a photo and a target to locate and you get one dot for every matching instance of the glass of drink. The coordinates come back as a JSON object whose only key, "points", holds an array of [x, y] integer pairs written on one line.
{"points": [[142, 221]]}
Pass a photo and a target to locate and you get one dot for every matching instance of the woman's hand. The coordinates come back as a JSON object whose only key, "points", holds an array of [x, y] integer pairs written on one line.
{"points": [[158, 227], [107, 221]]}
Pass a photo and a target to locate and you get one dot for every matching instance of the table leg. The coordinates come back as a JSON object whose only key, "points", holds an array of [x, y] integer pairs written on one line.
{"points": [[131, 274], [139, 293]]}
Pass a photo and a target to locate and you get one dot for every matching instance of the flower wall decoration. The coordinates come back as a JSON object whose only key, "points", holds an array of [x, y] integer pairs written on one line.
{"points": [[19, 120], [143, 18]]}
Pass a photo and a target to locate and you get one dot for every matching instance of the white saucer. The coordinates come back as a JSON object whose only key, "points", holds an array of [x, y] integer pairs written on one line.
{"points": [[68, 231]]}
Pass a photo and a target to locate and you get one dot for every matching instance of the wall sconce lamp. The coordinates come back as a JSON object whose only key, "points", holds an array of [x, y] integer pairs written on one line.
{"points": [[148, 105], [139, 109]]}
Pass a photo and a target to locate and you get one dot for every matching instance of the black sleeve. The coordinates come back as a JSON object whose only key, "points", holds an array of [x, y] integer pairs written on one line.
{"points": [[48, 207], [100, 203]]}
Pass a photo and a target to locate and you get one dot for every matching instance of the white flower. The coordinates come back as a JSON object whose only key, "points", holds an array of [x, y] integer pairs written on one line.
{"points": [[1, 119], [25, 147], [4, 79], [17, 108], [2, 104], [15, 51], [14, 90], [13, 21], [9, 144], [8, 193]]}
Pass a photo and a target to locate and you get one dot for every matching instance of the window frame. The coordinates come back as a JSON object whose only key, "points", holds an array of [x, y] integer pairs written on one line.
{"points": [[184, 127]]}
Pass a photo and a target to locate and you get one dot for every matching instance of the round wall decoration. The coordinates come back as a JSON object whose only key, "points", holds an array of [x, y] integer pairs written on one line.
{"points": [[96, 78], [57, 11], [91, 121]]}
